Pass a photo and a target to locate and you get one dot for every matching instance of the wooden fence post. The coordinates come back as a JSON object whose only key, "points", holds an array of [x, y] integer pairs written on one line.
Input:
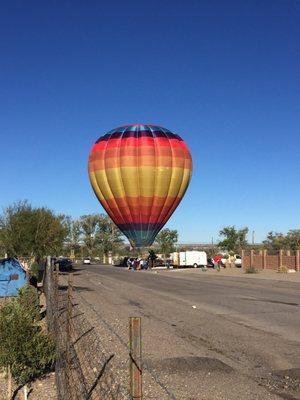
{"points": [[56, 271], [9, 385], [280, 258], [135, 346], [297, 260], [251, 258], [264, 260], [243, 258], [69, 320], [69, 305]]}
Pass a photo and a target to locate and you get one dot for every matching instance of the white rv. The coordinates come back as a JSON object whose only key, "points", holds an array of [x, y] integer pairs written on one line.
{"points": [[193, 258]]}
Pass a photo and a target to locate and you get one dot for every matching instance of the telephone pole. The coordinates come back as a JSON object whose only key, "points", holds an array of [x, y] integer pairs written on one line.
{"points": [[253, 237]]}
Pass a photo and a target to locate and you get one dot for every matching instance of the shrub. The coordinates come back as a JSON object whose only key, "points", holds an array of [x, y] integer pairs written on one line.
{"points": [[34, 270], [282, 269], [29, 300], [24, 347], [251, 270]]}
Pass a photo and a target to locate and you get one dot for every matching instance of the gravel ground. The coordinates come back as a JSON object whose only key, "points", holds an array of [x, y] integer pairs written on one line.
{"points": [[189, 353], [40, 389], [236, 272]]}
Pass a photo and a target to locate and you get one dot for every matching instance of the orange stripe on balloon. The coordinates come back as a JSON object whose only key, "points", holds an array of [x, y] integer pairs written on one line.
{"points": [[146, 161], [143, 151]]}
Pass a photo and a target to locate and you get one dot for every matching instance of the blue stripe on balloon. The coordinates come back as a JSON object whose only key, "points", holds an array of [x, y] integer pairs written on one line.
{"points": [[138, 131]]}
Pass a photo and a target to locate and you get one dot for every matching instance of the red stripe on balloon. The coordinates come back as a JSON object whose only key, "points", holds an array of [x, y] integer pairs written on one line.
{"points": [[137, 142]]}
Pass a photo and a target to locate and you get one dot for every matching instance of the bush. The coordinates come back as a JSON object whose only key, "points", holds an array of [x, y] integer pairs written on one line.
{"points": [[34, 270], [29, 300], [23, 345], [251, 270], [282, 269]]}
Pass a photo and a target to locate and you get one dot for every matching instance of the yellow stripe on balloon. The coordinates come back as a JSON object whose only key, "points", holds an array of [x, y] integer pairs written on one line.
{"points": [[144, 181]]}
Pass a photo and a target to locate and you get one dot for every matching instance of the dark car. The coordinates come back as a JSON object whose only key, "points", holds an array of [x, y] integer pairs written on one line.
{"points": [[210, 263], [64, 264]]}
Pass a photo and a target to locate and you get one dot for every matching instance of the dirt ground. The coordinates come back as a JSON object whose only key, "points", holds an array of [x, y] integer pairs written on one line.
{"points": [[206, 335], [39, 390], [198, 344], [236, 272]]}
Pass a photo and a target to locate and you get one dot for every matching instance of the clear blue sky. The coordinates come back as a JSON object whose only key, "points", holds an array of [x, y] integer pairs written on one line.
{"points": [[225, 75]]}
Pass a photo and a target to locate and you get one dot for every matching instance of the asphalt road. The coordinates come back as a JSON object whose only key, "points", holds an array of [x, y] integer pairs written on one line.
{"points": [[205, 336]]}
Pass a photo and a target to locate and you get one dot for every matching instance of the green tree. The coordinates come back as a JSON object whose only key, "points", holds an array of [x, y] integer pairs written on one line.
{"points": [[275, 241], [109, 238], [100, 235], [89, 225], [26, 231], [234, 239], [293, 239], [166, 241], [73, 239]]}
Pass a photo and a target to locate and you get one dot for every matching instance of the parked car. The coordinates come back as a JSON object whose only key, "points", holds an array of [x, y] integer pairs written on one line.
{"points": [[87, 261], [210, 263], [64, 264], [238, 261]]}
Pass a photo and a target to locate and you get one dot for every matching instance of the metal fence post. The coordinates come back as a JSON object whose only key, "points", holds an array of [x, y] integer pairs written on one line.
{"points": [[135, 346]]}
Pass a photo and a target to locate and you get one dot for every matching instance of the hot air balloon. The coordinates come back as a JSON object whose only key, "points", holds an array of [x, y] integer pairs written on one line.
{"points": [[139, 174]]}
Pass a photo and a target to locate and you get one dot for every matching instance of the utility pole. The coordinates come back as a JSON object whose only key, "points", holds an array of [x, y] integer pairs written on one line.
{"points": [[253, 237]]}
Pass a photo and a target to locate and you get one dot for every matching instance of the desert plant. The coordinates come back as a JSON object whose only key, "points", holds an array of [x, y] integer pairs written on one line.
{"points": [[34, 270], [282, 269], [251, 270], [29, 300], [25, 348]]}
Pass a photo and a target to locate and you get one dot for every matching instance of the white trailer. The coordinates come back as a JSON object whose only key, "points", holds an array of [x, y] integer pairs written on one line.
{"points": [[193, 258]]}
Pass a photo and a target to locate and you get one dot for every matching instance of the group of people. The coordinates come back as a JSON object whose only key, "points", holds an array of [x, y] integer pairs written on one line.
{"points": [[137, 263]]}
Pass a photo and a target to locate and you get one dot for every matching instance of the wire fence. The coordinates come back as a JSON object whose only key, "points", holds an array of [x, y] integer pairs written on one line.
{"points": [[161, 389], [84, 369]]}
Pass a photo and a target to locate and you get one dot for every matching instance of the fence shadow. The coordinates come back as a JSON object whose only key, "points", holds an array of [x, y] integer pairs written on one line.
{"points": [[83, 368]]}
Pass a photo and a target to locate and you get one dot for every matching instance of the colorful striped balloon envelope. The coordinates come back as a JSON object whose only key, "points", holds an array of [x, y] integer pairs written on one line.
{"points": [[140, 173]]}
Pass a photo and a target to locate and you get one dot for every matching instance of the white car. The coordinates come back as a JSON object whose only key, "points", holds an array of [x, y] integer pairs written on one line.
{"points": [[87, 260], [238, 261]]}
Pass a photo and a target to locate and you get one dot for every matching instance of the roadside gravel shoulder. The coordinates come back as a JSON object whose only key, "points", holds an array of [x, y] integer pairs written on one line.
{"points": [[192, 361], [230, 272]]}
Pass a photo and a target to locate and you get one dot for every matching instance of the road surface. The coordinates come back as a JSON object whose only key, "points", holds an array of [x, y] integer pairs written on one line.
{"points": [[205, 335]]}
